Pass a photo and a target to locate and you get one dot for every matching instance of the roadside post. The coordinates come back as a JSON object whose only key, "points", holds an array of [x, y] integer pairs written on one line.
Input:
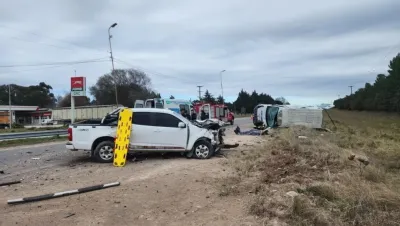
{"points": [[78, 88], [123, 137]]}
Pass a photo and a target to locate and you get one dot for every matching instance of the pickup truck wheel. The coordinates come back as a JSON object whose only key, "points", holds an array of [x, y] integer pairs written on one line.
{"points": [[203, 150], [104, 152]]}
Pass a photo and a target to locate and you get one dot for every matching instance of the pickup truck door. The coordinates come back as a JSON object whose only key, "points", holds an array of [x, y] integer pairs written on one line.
{"points": [[142, 135], [167, 134]]}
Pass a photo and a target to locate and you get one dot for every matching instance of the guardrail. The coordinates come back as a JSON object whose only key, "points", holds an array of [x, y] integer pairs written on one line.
{"points": [[45, 133]]}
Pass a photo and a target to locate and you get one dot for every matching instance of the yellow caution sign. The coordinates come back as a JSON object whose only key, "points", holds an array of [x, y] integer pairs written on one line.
{"points": [[122, 138]]}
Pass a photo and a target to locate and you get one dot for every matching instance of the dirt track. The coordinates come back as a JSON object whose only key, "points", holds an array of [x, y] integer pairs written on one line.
{"points": [[153, 191]]}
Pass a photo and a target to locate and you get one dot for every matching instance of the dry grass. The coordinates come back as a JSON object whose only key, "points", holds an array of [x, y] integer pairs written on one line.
{"points": [[330, 188]]}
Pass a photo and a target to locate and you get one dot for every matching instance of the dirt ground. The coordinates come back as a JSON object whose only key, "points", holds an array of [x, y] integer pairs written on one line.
{"points": [[154, 190]]}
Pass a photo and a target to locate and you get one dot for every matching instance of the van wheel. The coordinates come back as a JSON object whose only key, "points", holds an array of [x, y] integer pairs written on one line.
{"points": [[203, 149], [104, 152]]}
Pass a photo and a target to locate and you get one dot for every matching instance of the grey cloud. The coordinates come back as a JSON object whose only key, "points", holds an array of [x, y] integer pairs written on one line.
{"points": [[183, 44], [379, 15]]}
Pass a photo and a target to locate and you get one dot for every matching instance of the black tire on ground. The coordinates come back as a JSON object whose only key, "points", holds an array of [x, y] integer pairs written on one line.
{"points": [[203, 149], [104, 152]]}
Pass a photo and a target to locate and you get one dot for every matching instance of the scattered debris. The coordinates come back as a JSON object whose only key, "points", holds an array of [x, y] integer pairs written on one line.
{"points": [[302, 137], [292, 194], [1, 171], [10, 183], [364, 160], [36, 158], [351, 157], [231, 145], [70, 215], [64, 193], [28, 152], [324, 129]]}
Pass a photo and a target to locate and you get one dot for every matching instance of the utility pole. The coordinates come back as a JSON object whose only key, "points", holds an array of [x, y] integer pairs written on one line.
{"points": [[351, 90], [112, 61], [222, 89], [199, 92], [9, 104], [73, 105], [351, 96]]}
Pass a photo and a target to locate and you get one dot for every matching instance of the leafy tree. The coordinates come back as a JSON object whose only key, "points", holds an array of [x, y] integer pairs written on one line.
{"points": [[37, 95], [220, 100], [281, 101], [65, 101], [171, 97], [132, 85], [383, 95], [208, 97], [247, 102]]}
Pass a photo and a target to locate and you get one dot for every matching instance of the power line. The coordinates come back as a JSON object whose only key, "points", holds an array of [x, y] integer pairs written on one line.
{"points": [[152, 72], [48, 37], [351, 90], [51, 45], [44, 68], [56, 63]]}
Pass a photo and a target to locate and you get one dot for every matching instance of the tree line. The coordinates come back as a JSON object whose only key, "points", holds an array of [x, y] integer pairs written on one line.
{"points": [[245, 102], [382, 95], [131, 85], [35, 95]]}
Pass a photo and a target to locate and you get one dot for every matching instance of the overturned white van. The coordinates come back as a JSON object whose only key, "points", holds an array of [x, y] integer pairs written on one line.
{"points": [[272, 116]]}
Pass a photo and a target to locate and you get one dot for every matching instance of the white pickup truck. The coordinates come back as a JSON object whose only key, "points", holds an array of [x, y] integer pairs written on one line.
{"points": [[153, 130]]}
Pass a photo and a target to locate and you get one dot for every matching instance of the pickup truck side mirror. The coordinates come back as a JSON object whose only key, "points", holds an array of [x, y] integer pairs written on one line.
{"points": [[181, 125]]}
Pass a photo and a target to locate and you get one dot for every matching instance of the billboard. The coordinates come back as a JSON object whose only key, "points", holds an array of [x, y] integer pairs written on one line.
{"points": [[78, 86]]}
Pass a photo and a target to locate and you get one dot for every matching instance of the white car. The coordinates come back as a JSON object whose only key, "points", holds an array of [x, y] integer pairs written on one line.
{"points": [[153, 130]]}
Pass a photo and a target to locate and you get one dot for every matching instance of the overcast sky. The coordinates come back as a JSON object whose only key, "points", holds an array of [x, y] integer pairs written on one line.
{"points": [[308, 51]]}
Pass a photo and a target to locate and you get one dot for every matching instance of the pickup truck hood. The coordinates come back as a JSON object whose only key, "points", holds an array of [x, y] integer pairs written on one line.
{"points": [[209, 124]]}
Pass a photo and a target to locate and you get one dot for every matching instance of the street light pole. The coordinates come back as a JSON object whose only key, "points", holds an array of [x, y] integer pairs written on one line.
{"points": [[9, 104], [112, 61], [222, 89]]}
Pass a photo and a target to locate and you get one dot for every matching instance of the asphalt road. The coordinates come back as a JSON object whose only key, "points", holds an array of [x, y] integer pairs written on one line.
{"points": [[16, 161]]}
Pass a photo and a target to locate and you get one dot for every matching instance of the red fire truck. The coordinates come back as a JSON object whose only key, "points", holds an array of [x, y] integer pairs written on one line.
{"points": [[213, 111]]}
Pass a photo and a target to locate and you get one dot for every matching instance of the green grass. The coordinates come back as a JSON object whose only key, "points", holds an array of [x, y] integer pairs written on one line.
{"points": [[30, 141]]}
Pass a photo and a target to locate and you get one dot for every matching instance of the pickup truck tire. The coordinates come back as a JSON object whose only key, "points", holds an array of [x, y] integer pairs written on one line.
{"points": [[203, 149], [104, 152]]}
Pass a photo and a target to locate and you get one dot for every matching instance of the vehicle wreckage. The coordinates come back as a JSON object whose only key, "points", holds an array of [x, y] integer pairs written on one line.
{"points": [[153, 130]]}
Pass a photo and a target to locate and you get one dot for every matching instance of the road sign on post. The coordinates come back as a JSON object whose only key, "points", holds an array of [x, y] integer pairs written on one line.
{"points": [[78, 86]]}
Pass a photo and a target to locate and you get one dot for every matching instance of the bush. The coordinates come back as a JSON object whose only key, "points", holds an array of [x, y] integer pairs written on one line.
{"points": [[17, 126]]}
